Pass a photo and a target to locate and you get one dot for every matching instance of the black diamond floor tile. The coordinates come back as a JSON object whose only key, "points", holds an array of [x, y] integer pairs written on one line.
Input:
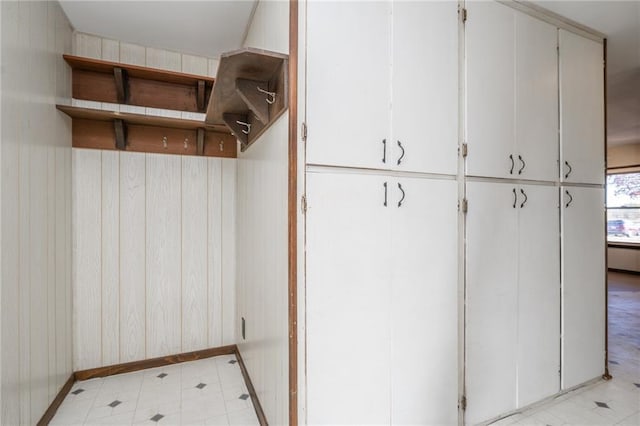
{"points": [[201, 385], [637, 385], [157, 417], [601, 404], [115, 403], [77, 391], [233, 361], [244, 396], [162, 375]]}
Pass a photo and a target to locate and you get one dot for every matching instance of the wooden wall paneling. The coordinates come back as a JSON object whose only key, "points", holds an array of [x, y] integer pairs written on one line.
{"points": [[22, 86], [110, 257], [163, 262], [110, 51], [87, 274], [68, 163], [62, 259], [214, 250], [38, 188], [166, 60], [11, 219], [132, 256], [50, 253], [228, 253], [87, 45], [135, 55], [195, 297]]}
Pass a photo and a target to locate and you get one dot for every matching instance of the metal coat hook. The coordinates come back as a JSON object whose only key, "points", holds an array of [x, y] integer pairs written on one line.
{"points": [[186, 143], [221, 146], [164, 142], [247, 125], [271, 95]]}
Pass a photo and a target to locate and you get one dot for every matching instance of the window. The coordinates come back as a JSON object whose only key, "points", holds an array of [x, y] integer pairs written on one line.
{"points": [[623, 208]]}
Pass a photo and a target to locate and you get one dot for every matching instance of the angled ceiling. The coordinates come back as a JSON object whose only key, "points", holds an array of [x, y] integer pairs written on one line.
{"points": [[205, 28]]}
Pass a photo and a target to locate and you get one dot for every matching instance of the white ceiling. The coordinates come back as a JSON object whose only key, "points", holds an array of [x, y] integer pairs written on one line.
{"points": [[206, 28], [211, 27]]}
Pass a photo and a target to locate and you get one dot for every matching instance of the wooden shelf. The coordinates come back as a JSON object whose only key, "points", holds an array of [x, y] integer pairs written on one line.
{"points": [[100, 129], [105, 81], [240, 92]]}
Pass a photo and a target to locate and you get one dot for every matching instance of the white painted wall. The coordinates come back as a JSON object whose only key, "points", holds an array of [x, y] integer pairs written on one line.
{"points": [[35, 199], [262, 248], [153, 264]]}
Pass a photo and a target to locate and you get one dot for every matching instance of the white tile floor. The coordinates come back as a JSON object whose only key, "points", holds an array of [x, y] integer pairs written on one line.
{"points": [[205, 392], [614, 402]]}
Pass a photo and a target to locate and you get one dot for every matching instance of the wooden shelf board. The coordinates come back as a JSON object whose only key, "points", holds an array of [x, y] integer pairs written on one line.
{"points": [[96, 65], [249, 64], [139, 119]]}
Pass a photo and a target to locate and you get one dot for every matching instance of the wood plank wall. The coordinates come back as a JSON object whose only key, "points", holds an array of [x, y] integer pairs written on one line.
{"points": [[154, 269], [35, 210]]}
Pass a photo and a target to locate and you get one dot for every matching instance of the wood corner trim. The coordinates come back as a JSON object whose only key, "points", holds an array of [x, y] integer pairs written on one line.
{"points": [[57, 401]]}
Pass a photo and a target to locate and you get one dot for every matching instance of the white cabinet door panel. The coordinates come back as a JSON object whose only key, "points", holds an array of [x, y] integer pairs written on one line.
{"points": [[538, 294], [424, 291], [581, 108], [583, 285], [348, 83], [347, 292], [425, 87], [491, 318], [536, 109], [490, 89]]}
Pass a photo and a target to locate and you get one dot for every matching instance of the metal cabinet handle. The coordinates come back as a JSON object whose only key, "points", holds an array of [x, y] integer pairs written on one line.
{"points": [[570, 198], [384, 150], [403, 194], [525, 198], [566, 163], [402, 155], [385, 194], [515, 198], [523, 164], [512, 164]]}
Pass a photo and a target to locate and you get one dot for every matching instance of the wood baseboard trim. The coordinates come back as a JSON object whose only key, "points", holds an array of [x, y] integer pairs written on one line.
{"points": [[624, 271], [252, 391], [154, 362], [57, 401]]}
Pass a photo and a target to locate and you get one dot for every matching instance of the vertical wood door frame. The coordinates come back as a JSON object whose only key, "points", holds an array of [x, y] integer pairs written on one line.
{"points": [[606, 375], [293, 217]]}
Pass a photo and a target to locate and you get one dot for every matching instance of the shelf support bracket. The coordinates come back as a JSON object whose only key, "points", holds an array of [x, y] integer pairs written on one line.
{"points": [[120, 77], [121, 134], [238, 130], [256, 100], [200, 137], [200, 95]]}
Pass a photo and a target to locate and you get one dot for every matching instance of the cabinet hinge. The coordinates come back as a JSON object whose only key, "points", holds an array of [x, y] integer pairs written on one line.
{"points": [[303, 204], [463, 14], [304, 132], [465, 205], [465, 150], [463, 402]]}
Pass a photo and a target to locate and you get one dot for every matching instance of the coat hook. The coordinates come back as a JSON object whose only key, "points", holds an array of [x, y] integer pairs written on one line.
{"points": [[247, 125], [186, 143], [164, 142], [271, 95], [221, 146]]}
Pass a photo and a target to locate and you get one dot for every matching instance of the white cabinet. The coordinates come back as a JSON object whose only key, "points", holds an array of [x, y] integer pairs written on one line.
{"points": [[512, 355], [581, 109], [381, 299], [512, 94], [364, 57], [583, 284]]}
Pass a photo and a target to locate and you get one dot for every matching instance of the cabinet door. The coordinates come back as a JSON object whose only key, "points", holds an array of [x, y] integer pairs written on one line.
{"points": [[425, 87], [536, 99], [538, 294], [424, 312], [347, 293], [583, 285], [581, 109], [491, 317], [348, 83], [490, 89]]}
